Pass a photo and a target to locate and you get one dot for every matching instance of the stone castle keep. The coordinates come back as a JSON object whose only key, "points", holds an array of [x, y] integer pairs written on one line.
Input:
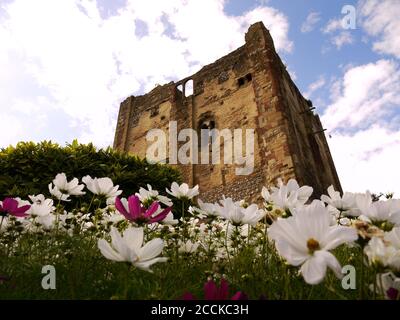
{"points": [[249, 88]]}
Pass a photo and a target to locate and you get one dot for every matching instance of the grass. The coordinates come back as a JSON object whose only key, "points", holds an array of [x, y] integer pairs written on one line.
{"points": [[83, 273]]}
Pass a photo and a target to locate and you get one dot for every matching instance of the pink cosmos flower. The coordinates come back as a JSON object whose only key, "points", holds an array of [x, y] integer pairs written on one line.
{"points": [[134, 211], [213, 292], [10, 206], [392, 294]]}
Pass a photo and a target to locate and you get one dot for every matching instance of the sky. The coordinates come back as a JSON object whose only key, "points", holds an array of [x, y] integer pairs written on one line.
{"points": [[66, 65]]}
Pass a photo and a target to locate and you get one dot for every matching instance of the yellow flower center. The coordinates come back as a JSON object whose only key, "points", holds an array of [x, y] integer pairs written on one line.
{"points": [[312, 245]]}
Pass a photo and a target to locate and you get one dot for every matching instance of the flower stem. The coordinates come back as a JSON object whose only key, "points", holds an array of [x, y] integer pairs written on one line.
{"points": [[287, 280], [362, 275], [382, 291], [146, 232], [226, 245], [1, 223], [375, 282], [90, 204], [126, 287], [183, 210], [57, 215]]}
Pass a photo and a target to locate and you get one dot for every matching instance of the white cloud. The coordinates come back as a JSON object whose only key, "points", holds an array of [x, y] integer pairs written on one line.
{"points": [[368, 159], [335, 89], [11, 128], [66, 59], [342, 38], [380, 19], [365, 144], [338, 35], [309, 24], [366, 94], [333, 25], [319, 83]]}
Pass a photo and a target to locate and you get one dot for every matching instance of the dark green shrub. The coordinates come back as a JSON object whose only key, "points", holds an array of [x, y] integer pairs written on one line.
{"points": [[28, 168]]}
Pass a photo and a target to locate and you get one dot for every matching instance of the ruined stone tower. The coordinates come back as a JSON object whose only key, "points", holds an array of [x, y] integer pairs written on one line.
{"points": [[248, 88]]}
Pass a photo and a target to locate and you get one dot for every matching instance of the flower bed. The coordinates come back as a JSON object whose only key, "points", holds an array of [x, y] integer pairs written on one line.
{"points": [[150, 246]]}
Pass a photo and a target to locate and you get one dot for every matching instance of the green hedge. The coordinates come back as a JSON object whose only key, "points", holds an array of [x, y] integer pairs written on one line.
{"points": [[28, 168]]}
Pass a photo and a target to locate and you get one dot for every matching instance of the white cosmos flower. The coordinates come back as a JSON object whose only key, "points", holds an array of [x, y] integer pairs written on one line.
{"points": [[385, 251], [303, 193], [183, 191], [153, 195], [243, 230], [40, 206], [379, 211], [306, 238], [129, 247], [266, 195], [208, 209], [47, 221], [288, 197], [102, 187], [345, 204], [379, 252], [113, 218], [188, 246], [62, 189], [58, 194], [197, 212], [169, 219], [238, 215], [393, 237], [65, 216]]}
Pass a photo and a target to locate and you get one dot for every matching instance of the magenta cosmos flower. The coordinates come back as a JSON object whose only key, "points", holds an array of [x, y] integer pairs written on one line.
{"points": [[213, 292], [393, 294], [134, 211], [10, 206]]}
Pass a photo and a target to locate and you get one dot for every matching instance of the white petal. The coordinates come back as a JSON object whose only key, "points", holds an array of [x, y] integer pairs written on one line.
{"points": [[337, 235], [119, 244], [134, 238], [107, 251], [394, 237], [313, 270], [236, 215], [151, 249], [89, 183], [331, 262], [145, 265], [285, 229], [60, 181], [293, 256]]}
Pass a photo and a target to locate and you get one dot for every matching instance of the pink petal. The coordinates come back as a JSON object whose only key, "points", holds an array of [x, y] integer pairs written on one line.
{"points": [[210, 290], [120, 207], [188, 296], [153, 208], [223, 291], [10, 204], [161, 215], [240, 296], [134, 207], [20, 212]]}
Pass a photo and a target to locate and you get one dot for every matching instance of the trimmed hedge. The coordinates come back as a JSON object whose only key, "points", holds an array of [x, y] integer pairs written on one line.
{"points": [[28, 168]]}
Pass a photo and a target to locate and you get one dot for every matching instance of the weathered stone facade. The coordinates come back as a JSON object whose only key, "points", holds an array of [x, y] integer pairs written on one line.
{"points": [[248, 88]]}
